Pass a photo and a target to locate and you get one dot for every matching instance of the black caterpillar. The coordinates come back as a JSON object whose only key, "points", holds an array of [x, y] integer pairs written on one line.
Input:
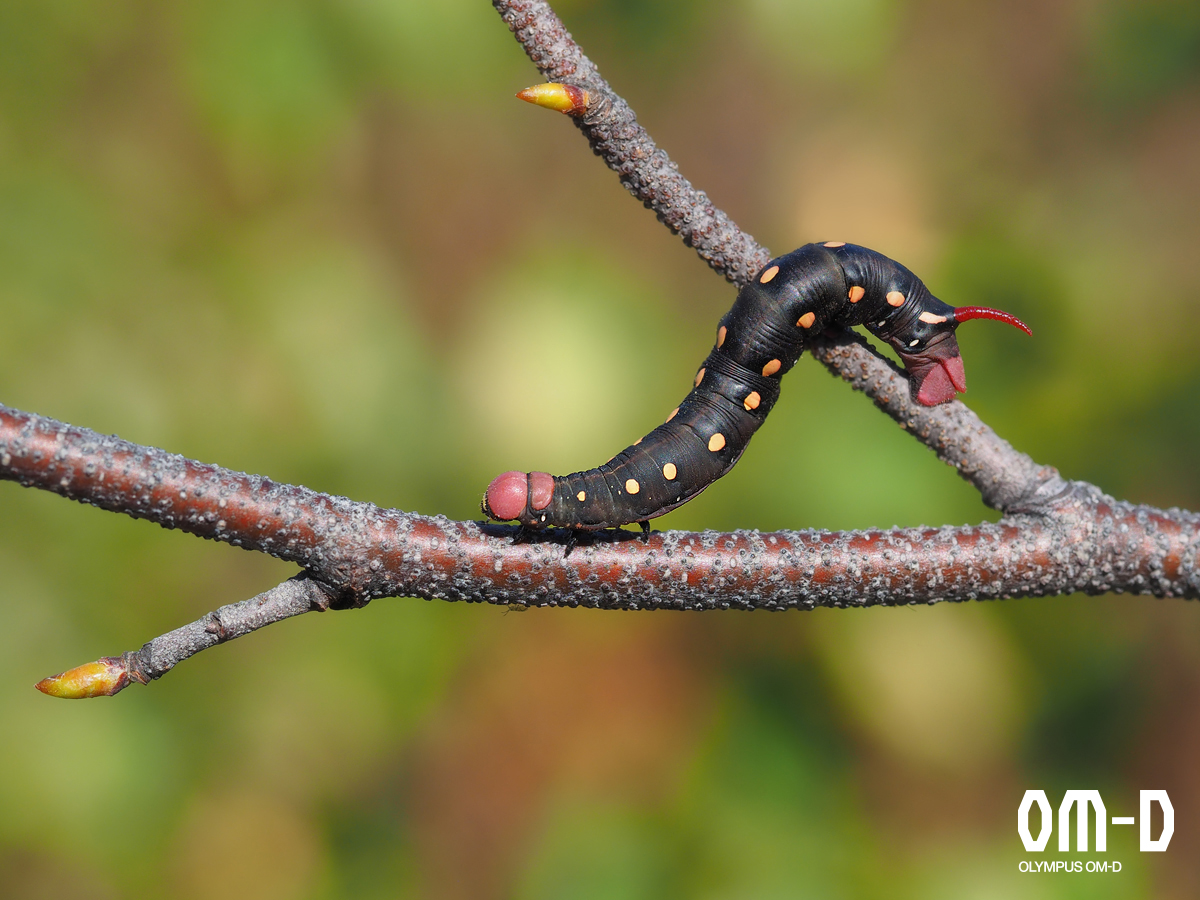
{"points": [[819, 286]]}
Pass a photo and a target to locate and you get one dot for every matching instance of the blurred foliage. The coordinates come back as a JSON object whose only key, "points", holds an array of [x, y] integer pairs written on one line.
{"points": [[320, 241], [1145, 47]]}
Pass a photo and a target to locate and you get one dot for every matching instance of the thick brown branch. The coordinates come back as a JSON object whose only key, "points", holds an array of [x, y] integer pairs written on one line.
{"points": [[1076, 540]]}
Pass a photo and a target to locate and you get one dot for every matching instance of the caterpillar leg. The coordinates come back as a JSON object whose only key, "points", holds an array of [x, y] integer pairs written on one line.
{"points": [[524, 535]]}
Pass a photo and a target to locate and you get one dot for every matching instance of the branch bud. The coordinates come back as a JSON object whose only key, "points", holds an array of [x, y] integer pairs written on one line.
{"points": [[102, 678], [566, 98]]}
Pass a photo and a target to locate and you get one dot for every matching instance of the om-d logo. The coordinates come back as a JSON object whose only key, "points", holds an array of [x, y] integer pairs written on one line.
{"points": [[1081, 800]]}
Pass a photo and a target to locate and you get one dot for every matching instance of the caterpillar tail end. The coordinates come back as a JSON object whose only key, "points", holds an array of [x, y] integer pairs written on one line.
{"points": [[518, 496], [566, 98], [504, 499]]}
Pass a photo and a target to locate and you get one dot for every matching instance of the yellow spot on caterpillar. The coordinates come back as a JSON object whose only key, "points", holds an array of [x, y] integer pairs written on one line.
{"points": [[716, 442], [895, 298], [632, 486], [638, 441], [930, 319], [769, 274], [857, 293], [721, 335], [669, 471], [673, 414], [699, 377], [581, 496], [832, 244], [806, 320], [752, 400], [772, 367]]}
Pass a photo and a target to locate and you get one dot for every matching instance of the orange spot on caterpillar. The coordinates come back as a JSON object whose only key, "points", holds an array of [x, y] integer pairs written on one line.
{"points": [[581, 496], [752, 400], [673, 414], [806, 320], [771, 368], [632, 486], [669, 471], [699, 377], [895, 298], [931, 319], [769, 274], [833, 244], [721, 336], [857, 293], [716, 442]]}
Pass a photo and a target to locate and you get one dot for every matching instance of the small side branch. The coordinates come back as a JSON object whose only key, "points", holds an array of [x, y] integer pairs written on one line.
{"points": [[1006, 479], [112, 674], [612, 130]]}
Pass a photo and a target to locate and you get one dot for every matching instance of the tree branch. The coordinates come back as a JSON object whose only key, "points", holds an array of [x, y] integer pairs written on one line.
{"points": [[1078, 539], [613, 132], [1055, 536], [111, 674]]}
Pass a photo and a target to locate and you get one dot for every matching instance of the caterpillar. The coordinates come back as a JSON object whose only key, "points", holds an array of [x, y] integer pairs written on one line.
{"points": [[794, 297]]}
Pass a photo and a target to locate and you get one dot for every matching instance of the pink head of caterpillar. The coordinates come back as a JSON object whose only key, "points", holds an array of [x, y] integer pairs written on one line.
{"points": [[935, 369]]}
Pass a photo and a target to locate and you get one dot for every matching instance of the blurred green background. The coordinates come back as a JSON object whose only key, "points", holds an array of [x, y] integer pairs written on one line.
{"points": [[322, 242]]}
